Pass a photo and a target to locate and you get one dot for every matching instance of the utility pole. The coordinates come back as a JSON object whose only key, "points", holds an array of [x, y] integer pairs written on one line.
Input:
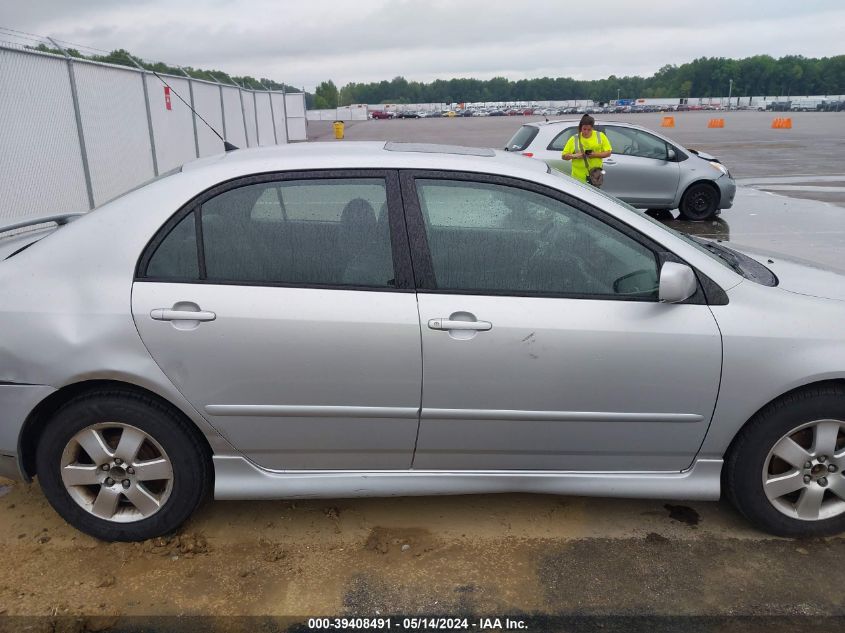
{"points": [[618, 92], [730, 90]]}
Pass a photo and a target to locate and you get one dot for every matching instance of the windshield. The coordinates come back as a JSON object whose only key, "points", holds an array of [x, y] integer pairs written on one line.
{"points": [[738, 262]]}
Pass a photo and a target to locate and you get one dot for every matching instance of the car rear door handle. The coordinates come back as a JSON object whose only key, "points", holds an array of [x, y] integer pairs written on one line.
{"points": [[451, 324], [165, 314], [609, 161]]}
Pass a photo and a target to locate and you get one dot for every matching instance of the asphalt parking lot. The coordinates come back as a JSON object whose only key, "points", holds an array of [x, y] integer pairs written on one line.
{"points": [[479, 554], [797, 170]]}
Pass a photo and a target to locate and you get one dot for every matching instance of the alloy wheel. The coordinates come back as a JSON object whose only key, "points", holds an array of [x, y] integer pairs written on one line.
{"points": [[116, 472], [802, 474]]}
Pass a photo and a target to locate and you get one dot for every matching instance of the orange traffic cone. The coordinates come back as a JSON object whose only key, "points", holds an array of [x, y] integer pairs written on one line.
{"points": [[716, 123], [668, 121], [782, 123], [787, 123]]}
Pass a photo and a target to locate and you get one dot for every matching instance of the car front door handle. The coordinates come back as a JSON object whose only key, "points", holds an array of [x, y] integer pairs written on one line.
{"points": [[165, 314], [609, 161], [451, 324]]}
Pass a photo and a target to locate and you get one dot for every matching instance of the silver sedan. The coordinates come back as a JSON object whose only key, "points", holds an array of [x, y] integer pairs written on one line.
{"points": [[646, 170], [328, 320]]}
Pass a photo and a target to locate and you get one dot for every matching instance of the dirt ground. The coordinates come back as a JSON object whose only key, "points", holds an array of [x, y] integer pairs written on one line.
{"points": [[452, 555]]}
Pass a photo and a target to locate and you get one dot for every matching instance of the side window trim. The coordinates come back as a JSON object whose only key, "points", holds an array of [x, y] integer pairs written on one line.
{"points": [[403, 272], [421, 254]]}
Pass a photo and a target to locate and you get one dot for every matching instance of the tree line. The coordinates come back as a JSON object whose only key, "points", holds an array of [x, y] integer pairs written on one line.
{"points": [[704, 77], [123, 57], [759, 75]]}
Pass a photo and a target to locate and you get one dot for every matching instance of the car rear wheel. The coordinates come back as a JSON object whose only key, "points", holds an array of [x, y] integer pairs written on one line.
{"points": [[784, 471], [122, 467], [699, 202]]}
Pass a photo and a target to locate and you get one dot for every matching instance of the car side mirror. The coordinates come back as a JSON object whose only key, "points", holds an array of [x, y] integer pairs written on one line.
{"points": [[671, 154], [677, 283]]}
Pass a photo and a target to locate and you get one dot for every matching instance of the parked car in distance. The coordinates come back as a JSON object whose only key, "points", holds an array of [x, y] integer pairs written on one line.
{"points": [[450, 114], [381, 114], [646, 169], [254, 326]]}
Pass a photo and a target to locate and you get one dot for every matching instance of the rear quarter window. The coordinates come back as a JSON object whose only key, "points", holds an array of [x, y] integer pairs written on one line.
{"points": [[522, 138]]}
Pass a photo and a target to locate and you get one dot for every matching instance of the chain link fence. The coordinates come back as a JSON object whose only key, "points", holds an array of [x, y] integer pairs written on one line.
{"points": [[77, 133]]}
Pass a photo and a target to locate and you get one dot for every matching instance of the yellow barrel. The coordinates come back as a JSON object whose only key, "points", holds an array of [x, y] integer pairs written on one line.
{"points": [[338, 130]]}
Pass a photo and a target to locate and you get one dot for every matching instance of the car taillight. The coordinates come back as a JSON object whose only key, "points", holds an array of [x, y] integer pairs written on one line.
{"points": [[529, 154]]}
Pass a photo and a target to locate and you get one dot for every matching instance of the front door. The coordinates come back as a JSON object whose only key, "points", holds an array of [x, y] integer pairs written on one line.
{"points": [[638, 171], [292, 328], [544, 344]]}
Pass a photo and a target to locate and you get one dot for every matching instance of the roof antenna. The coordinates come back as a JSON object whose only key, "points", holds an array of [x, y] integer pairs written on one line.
{"points": [[227, 146]]}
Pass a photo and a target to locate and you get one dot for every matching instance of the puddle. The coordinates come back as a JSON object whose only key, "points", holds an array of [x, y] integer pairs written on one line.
{"points": [[684, 514], [4, 490]]}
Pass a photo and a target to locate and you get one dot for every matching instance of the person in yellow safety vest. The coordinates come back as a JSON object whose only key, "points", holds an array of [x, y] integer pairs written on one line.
{"points": [[592, 144]]}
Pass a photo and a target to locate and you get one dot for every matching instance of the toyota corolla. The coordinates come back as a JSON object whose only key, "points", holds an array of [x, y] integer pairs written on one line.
{"points": [[328, 320]]}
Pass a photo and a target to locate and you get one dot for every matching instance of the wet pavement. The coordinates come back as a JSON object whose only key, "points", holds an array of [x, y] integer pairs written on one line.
{"points": [[807, 229]]}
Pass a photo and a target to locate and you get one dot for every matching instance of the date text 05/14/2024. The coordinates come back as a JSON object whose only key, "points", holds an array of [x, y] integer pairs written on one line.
{"points": [[417, 624]]}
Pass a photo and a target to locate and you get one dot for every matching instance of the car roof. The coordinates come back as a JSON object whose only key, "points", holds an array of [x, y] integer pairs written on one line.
{"points": [[363, 154], [565, 122]]}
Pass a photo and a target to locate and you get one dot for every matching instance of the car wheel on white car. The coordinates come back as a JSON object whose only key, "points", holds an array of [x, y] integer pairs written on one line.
{"points": [[784, 470], [122, 467]]}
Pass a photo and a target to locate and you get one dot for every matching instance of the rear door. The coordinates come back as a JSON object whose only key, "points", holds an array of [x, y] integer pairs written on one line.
{"points": [[544, 344], [283, 308]]}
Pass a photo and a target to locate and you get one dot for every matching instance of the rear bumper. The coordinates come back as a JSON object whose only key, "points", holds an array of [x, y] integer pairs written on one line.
{"points": [[16, 403]]}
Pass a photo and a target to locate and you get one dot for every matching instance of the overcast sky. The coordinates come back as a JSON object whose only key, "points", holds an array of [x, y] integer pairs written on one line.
{"points": [[303, 42]]}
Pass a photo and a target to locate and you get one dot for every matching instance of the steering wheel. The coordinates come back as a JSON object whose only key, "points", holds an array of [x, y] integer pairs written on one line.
{"points": [[552, 255]]}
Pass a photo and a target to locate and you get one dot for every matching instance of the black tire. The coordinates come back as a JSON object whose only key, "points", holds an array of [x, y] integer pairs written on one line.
{"points": [[699, 202], [190, 462], [742, 475]]}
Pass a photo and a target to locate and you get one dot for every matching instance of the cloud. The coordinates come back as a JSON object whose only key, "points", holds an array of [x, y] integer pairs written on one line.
{"points": [[367, 40]]}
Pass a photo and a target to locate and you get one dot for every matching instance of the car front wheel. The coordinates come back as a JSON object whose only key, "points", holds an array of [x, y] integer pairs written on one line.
{"points": [[699, 202], [784, 470], [121, 466]]}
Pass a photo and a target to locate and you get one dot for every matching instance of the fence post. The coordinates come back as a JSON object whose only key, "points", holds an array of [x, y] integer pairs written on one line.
{"points": [[285, 113], [243, 111], [75, 96], [222, 106], [193, 113], [149, 114], [255, 112], [272, 115]]}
